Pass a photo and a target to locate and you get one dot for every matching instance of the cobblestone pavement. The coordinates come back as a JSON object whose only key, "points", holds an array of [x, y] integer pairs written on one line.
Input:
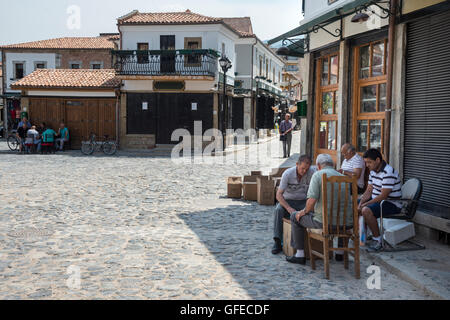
{"points": [[142, 227]]}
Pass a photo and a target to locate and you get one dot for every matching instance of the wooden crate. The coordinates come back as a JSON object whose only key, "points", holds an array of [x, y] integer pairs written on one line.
{"points": [[289, 251]]}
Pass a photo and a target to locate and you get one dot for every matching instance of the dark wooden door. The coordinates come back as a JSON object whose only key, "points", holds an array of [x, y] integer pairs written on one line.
{"points": [[167, 43], [141, 113], [238, 113], [76, 120]]}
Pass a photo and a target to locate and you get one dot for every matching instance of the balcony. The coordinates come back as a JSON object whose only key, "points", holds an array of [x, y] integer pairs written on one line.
{"points": [[166, 63]]}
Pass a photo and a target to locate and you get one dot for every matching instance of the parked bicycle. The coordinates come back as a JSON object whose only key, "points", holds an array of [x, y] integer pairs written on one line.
{"points": [[13, 141], [109, 147]]}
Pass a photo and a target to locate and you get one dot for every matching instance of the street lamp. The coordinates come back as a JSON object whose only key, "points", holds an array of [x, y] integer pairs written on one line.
{"points": [[226, 65]]}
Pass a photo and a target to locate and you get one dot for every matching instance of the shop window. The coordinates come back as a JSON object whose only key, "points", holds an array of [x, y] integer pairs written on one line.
{"points": [[370, 88], [370, 135], [328, 103], [326, 107], [327, 135], [334, 68], [372, 59], [325, 71]]}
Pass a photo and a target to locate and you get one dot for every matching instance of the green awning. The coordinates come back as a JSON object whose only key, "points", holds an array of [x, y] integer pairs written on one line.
{"points": [[297, 49], [325, 19]]}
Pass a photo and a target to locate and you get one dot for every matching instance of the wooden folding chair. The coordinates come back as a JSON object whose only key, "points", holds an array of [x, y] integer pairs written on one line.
{"points": [[332, 226]]}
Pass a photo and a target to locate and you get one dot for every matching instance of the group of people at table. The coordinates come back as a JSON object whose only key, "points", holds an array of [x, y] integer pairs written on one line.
{"points": [[29, 135], [300, 199]]}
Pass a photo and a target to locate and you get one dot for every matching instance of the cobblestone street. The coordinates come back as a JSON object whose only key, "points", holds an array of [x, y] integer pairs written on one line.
{"points": [[138, 226]]}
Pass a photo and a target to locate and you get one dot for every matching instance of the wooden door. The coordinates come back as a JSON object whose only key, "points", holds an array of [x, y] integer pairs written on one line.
{"points": [[107, 118], [167, 43], [76, 120]]}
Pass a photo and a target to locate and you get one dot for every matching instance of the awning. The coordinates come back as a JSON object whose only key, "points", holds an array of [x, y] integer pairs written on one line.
{"points": [[10, 95], [323, 20], [297, 49]]}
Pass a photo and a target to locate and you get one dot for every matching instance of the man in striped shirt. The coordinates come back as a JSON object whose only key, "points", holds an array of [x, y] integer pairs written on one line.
{"points": [[384, 184]]}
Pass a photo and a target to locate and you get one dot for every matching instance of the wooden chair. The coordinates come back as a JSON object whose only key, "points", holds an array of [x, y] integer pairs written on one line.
{"points": [[332, 227]]}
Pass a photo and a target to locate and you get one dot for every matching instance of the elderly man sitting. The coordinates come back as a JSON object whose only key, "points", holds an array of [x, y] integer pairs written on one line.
{"points": [[311, 216], [291, 196], [353, 165]]}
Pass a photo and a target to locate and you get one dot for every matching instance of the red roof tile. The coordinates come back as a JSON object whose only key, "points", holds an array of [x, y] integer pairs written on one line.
{"points": [[65, 43], [68, 78], [243, 26]]}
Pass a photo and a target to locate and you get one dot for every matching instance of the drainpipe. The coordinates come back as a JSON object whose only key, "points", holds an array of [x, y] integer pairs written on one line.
{"points": [[253, 107], [118, 97], [391, 56]]}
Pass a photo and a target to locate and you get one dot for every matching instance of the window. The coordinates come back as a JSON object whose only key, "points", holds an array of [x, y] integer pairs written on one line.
{"points": [[326, 105], [19, 70], [260, 66], [372, 59], [142, 55], [75, 64], [193, 59], [40, 65], [370, 95], [223, 49], [96, 65]]}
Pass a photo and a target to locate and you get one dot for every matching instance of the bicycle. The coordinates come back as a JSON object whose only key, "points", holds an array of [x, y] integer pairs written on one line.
{"points": [[13, 141], [89, 147]]}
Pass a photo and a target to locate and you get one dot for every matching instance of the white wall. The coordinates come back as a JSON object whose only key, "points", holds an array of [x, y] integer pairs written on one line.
{"points": [[212, 37], [64, 93], [29, 59], [322, 38], [315, 8]]}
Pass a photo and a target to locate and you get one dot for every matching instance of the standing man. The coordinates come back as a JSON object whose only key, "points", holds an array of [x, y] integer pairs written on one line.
{"points": [[353, 165], [384, 184], [286, 129], [291, 196]]}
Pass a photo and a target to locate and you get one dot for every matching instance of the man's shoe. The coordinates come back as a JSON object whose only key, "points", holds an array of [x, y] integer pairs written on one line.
{"points": [[294, 259], [375, 246], [339, 257], [277, 248]]}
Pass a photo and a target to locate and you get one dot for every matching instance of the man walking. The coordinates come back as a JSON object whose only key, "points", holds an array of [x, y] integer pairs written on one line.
{"points": [[291, 196], [286, 128]]}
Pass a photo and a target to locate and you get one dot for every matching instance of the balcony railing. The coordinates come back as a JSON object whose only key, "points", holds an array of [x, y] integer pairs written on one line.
{"points": [[169, 62]]}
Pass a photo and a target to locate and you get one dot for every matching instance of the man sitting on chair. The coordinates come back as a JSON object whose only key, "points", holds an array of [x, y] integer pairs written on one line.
{"points": [[384, 184], [311, 216], [353, 165], [291, 196]]}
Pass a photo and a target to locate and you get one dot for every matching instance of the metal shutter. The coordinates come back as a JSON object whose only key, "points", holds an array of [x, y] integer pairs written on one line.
{"points": [[427, 110]]}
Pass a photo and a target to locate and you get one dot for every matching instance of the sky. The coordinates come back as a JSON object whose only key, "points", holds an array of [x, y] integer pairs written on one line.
{"points": [[45, 19]]}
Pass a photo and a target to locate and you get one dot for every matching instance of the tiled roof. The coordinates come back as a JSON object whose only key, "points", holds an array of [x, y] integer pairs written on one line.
{"points": [[186, 17], [65, 43], [243, 26], [68, 78]]}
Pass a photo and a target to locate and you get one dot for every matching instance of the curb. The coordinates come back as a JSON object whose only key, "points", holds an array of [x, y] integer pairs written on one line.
{"points": [[402, 275]]}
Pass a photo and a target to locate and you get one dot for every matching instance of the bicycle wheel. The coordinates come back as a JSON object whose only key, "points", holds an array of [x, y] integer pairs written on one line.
{"points": [[87, 148], [109, 148], [13, 143]]}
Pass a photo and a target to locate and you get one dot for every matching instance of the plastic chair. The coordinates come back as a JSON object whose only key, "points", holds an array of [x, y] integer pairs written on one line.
{"points": [[411, 193]]}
